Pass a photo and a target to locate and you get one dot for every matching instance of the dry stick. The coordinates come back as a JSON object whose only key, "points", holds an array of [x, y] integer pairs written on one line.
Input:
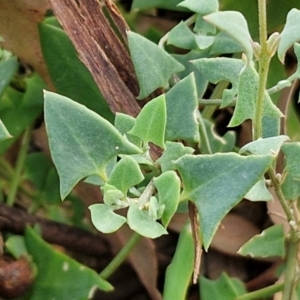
{"points": [[15, 220]]}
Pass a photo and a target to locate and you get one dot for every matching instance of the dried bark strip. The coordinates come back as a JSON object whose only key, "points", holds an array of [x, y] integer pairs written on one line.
{"points": [[15, 220], [101, 51]]}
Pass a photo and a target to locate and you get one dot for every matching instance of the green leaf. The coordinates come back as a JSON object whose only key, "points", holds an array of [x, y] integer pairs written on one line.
{"points": [[290, 33], [247, 99], [150, 124], [171, 154], [203, 7], [217, 143], [234, 24], [224, 288], [15, 244], [4, 134], [270, 243], [141, 222], [142, 4], [218, 69], [104, 219], [81, 142], [259, 192], [153, 66], [290, 185], [224, 43], [208, 180], [182, 104], [126, 174], [267, 146], [59, 276], [70, 78], [201, 82], [168, 187], [8, 68], [179, 272]]}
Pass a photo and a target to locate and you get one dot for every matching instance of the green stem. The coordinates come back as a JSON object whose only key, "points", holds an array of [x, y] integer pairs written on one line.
{"points": [[215, 102], [121, 256], [19, 167], [262, 293], [264, 61], [217, 93], [206, 149]]}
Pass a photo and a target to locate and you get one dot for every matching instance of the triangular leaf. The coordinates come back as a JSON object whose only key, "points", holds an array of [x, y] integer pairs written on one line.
{"points": [[59, 276], [224, 288], [153, 66], [234, 24], [214, 183], [168, 187], [141, 222], [259, 192], [150, 124], [104, 219], [182, 103], [290, 33], [203, 7], [269, 243], [4, 134], [171, 154], [81, 142], [267, 146]]}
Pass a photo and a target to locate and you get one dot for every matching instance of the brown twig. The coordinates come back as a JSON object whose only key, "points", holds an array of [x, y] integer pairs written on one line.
{"points": [[15, 220]]}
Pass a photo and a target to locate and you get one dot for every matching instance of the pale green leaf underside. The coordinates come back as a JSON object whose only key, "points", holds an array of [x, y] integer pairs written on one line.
{"points": [[59, 276], [203, 7], [150, 124], [81, 142], [217, 182], [168, 187], [153, 66], [104, 219], [182, 103], [4, 134], [234, 24], [140, 221], [269, 243], [290, 33], [259, 192], [267, 146]]}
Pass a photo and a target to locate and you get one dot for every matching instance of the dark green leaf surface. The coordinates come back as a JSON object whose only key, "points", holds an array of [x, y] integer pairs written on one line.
{"points": [[217, 182], [145, 4], [224, 288], [153, 66], [60, 277], [76, 137], [150, 124], [70, 78], [182, 103], [270, 243], [104, 219], [179, 272]]}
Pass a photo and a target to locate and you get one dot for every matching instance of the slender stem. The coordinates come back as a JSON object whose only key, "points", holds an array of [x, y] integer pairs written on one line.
{"points": [[206, 149], [217, 93], [262, 293], [121, 256], [215, 102], [264, 61], [19, 167]]}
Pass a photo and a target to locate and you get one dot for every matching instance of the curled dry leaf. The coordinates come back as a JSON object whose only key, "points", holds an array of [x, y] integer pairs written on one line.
{"points": [[19, 31]]}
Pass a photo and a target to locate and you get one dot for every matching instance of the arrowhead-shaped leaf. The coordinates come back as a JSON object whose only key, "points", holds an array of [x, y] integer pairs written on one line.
{"points": [[59, 276], [182, 103], [203, 7], [234, 24], [104, 219], [259, 192], [153, 66], [150, 124], [81, 142], [141, 222], [168, 187], [217, 182], [269, 243], [290, 33]]}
